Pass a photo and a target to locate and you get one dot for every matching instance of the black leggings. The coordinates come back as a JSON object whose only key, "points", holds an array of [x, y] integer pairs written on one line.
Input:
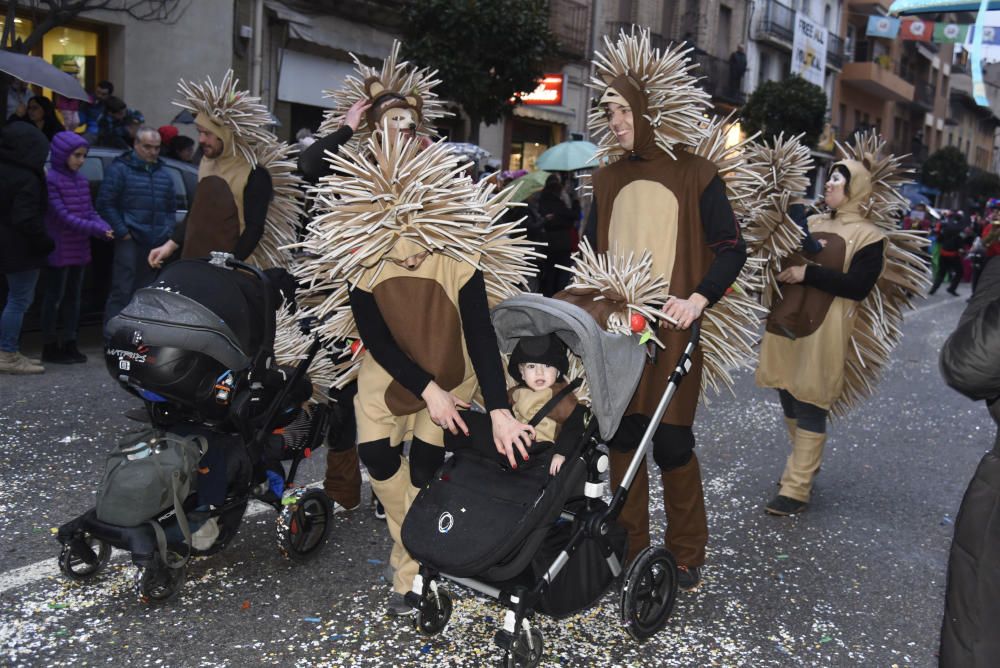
{"points": [[383, 460], [809, 417], [672, 445]]}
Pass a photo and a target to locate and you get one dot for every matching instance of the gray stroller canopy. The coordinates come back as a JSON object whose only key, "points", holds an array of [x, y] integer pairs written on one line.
{"points": [[613, 363]]}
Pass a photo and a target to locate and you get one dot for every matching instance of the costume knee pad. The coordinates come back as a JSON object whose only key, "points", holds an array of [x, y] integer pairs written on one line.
{"points": [[425, 460], [381, 459], [672, 446]]}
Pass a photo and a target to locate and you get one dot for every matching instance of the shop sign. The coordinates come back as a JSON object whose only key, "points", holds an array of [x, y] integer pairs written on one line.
{"points": [[549, 91]]}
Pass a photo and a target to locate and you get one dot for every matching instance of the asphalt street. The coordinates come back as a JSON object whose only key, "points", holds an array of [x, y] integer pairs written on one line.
{"points": [[858, 580]]}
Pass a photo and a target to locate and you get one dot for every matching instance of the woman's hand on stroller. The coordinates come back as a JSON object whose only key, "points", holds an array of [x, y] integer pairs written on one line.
{"points": [[509, 434], [442, 406]]}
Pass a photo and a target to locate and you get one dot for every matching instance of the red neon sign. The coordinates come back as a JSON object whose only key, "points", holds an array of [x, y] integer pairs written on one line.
{"points": [[549, 91]]}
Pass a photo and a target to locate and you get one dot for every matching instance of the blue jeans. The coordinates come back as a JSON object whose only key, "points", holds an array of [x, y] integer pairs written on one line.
{"points": [[20, 294], [61, 303], [129, 272]]}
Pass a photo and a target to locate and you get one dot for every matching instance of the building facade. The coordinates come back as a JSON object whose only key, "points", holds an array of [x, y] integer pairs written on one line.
{"points": [[143, 59]]}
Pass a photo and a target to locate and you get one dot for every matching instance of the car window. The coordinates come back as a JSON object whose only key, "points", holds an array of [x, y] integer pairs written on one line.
{"points": [[180, 190]]}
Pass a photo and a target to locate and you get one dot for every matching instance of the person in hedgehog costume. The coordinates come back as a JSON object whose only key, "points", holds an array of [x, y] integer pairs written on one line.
{"points": [[657, 195], [230, 208], [418, 253], [838, 316], [403, 97]]}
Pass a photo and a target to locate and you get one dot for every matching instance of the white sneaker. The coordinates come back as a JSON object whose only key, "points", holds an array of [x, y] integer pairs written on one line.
{"points": [[205, 536], [16, 363], [337, 508]]}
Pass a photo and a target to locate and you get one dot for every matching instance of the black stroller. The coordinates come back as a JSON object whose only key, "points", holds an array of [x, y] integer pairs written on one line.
{"points": [[197, 347], [538, 543]]}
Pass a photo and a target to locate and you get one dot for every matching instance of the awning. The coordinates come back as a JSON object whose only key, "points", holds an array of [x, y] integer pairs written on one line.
{"points": [[330, 31], [303, 77], [545, 113]]}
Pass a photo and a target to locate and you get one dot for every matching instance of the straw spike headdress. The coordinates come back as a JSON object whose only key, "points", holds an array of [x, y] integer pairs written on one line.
{"points": [[388, 194], [237, 110], [676, 104], [407, 83], [906, 274]]}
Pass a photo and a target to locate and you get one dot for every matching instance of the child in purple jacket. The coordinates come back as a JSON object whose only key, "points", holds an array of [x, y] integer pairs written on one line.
{"points": [[71, 221]]}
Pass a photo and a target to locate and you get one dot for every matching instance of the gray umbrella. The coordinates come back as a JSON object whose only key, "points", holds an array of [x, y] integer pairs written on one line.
{"points": [[36, 71]]}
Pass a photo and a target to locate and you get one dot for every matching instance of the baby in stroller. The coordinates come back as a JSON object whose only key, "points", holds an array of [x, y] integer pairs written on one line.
{"points": [[198, 348], [541, 398]]}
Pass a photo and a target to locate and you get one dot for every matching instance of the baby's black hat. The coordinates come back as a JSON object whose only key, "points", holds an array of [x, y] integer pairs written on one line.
{"points": [[548, 349]]}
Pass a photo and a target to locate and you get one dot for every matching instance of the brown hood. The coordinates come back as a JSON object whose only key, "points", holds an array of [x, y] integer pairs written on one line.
{"points": [[645, 139]]}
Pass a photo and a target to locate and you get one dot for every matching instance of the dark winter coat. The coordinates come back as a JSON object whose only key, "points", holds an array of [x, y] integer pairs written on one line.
{"points": [[137, 198], [71, 219], [24, 244], [560, 228], [970, 363]]}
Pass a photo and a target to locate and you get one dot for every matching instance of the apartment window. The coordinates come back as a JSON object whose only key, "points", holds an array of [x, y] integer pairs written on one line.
{"points": [[826, 15], [878, 124], [725, 29], [857, 119]]}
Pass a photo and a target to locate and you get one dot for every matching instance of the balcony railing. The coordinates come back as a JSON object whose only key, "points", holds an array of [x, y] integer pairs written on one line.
{"points": [[568, 21], [717, 79], [834, 51], [778, 20], [923, 94]]}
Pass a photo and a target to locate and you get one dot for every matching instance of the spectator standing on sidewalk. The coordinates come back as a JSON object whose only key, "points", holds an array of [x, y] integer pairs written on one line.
{"points": [[137, 200], [71, 221], [23, 242]]}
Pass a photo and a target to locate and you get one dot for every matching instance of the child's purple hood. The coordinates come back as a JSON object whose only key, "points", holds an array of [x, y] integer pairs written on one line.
{"points": [[63, 144]]}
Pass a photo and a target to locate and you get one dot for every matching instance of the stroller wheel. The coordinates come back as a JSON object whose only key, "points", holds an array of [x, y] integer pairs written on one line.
{"points": [[157, 583], [525, 651], [303, 526], [84, 557], [434, 613], [648, 592]]}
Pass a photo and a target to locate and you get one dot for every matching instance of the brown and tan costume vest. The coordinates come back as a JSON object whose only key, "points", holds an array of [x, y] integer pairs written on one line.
{"points": [[807, 339], [649, 200], [525, 403], [420, 308], [216, 221]]}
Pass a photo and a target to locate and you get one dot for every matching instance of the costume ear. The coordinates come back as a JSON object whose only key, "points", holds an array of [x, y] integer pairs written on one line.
{"points": [[415, 102], [373, 87]]}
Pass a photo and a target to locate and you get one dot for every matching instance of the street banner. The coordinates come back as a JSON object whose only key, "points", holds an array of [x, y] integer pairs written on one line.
{"points": [[915, 29], [978, 85], [809, 50], [991, 35], [882, 26], [950, 33]]}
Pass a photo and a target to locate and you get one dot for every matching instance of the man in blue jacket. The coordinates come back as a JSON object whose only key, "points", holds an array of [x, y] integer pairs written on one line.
{"points": [[137, 200]]}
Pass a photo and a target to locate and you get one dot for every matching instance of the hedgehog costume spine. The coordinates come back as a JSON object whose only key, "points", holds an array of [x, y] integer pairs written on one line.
{"points": [[657, 193], [833, 326]]}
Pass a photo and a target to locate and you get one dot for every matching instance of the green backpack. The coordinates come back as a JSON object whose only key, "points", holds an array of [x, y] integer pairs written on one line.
{"points": [[149, 472]]}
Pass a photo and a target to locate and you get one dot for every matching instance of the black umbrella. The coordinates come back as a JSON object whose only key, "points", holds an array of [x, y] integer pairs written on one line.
{"points": [[36, 71]]}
